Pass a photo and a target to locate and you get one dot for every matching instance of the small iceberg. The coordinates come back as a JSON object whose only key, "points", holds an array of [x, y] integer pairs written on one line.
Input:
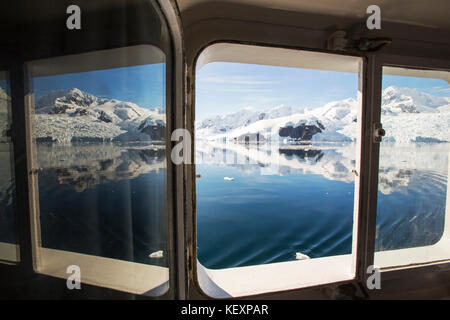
{"points": [[301, 256], [157, 254], [228, 179]]}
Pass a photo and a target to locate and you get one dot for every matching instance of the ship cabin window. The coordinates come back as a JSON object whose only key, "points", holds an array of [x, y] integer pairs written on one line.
{"points": [[277, 140], [413, 209], [99, 171], [9, 244]]}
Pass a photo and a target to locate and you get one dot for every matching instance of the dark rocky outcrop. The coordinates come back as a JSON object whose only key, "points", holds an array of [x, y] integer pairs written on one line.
{"points": [[59, 109], [80, 112], [156, 132], [302, 132], [104, 117], [78, 98]]}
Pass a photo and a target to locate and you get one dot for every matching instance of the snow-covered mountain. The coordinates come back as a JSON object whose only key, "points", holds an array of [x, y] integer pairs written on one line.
{"points": [[408, 115], [284, 122], [406, 100], [246, 116], [73, 115]]}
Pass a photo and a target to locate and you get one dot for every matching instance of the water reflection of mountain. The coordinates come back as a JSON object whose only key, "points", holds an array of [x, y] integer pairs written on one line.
{"points": [[417, 166], [334, 163], [401, 167], [79, 167], [412, 195], [302, 154]]}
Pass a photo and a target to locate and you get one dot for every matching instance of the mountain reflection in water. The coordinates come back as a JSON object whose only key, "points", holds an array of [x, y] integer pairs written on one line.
{"points": [[110, 200], [300, 199], [104, 199], [80, 167]]}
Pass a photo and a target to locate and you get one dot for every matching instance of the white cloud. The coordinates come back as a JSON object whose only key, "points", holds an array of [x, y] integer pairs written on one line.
{"points": [[439, 90], [235, 81]]}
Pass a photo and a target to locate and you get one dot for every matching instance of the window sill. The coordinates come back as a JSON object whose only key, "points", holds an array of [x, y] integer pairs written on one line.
{"points": [[9, 252], [252, 280], [413, 257], [116, 274]]}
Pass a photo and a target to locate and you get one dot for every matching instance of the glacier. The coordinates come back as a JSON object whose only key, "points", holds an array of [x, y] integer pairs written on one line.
{"points": [[408, 115], [75, 116]]}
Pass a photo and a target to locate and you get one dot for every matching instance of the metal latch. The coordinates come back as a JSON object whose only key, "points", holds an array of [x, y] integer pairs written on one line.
{"points": [[378, 132]]}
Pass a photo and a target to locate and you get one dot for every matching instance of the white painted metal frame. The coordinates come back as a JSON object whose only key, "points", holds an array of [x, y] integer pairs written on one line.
{"points": [[371, 89], [9, 252], [132, 277], [269, 278], [439, 253], [178, 174]]}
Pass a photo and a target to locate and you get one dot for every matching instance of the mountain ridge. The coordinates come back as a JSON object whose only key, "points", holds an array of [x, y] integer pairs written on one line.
{"points": [[73, 115], [336, 121]]}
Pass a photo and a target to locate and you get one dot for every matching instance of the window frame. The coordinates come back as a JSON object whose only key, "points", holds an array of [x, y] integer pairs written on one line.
{"points": [[360, 259], [14, 58], [52, 262], [373, 63], [12, 250], [13, 62], [379, 61]]}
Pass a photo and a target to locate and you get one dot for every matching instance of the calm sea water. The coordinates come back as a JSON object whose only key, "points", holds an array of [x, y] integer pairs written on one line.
{"points": [[302, 200], [104, 200], [110, 200]]}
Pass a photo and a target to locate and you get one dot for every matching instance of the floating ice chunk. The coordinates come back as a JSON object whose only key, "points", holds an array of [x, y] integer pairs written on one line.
{"points": [[301, 256], [157, 254], [228, 179]]}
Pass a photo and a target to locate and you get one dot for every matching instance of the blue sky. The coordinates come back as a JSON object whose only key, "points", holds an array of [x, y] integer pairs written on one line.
{"points": [[227, 87], [144, 85], [223, 87], [435, 87]]}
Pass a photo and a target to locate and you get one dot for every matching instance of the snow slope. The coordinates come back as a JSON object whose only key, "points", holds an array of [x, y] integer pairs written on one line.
{"points": [[408, 115], [220, 124], [74, 115], [406, 100]]}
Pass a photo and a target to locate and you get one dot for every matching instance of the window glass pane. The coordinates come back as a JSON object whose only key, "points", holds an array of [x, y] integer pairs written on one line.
{"points": [[276, 148], [412, 211], [100, 157], [9, 249]]}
